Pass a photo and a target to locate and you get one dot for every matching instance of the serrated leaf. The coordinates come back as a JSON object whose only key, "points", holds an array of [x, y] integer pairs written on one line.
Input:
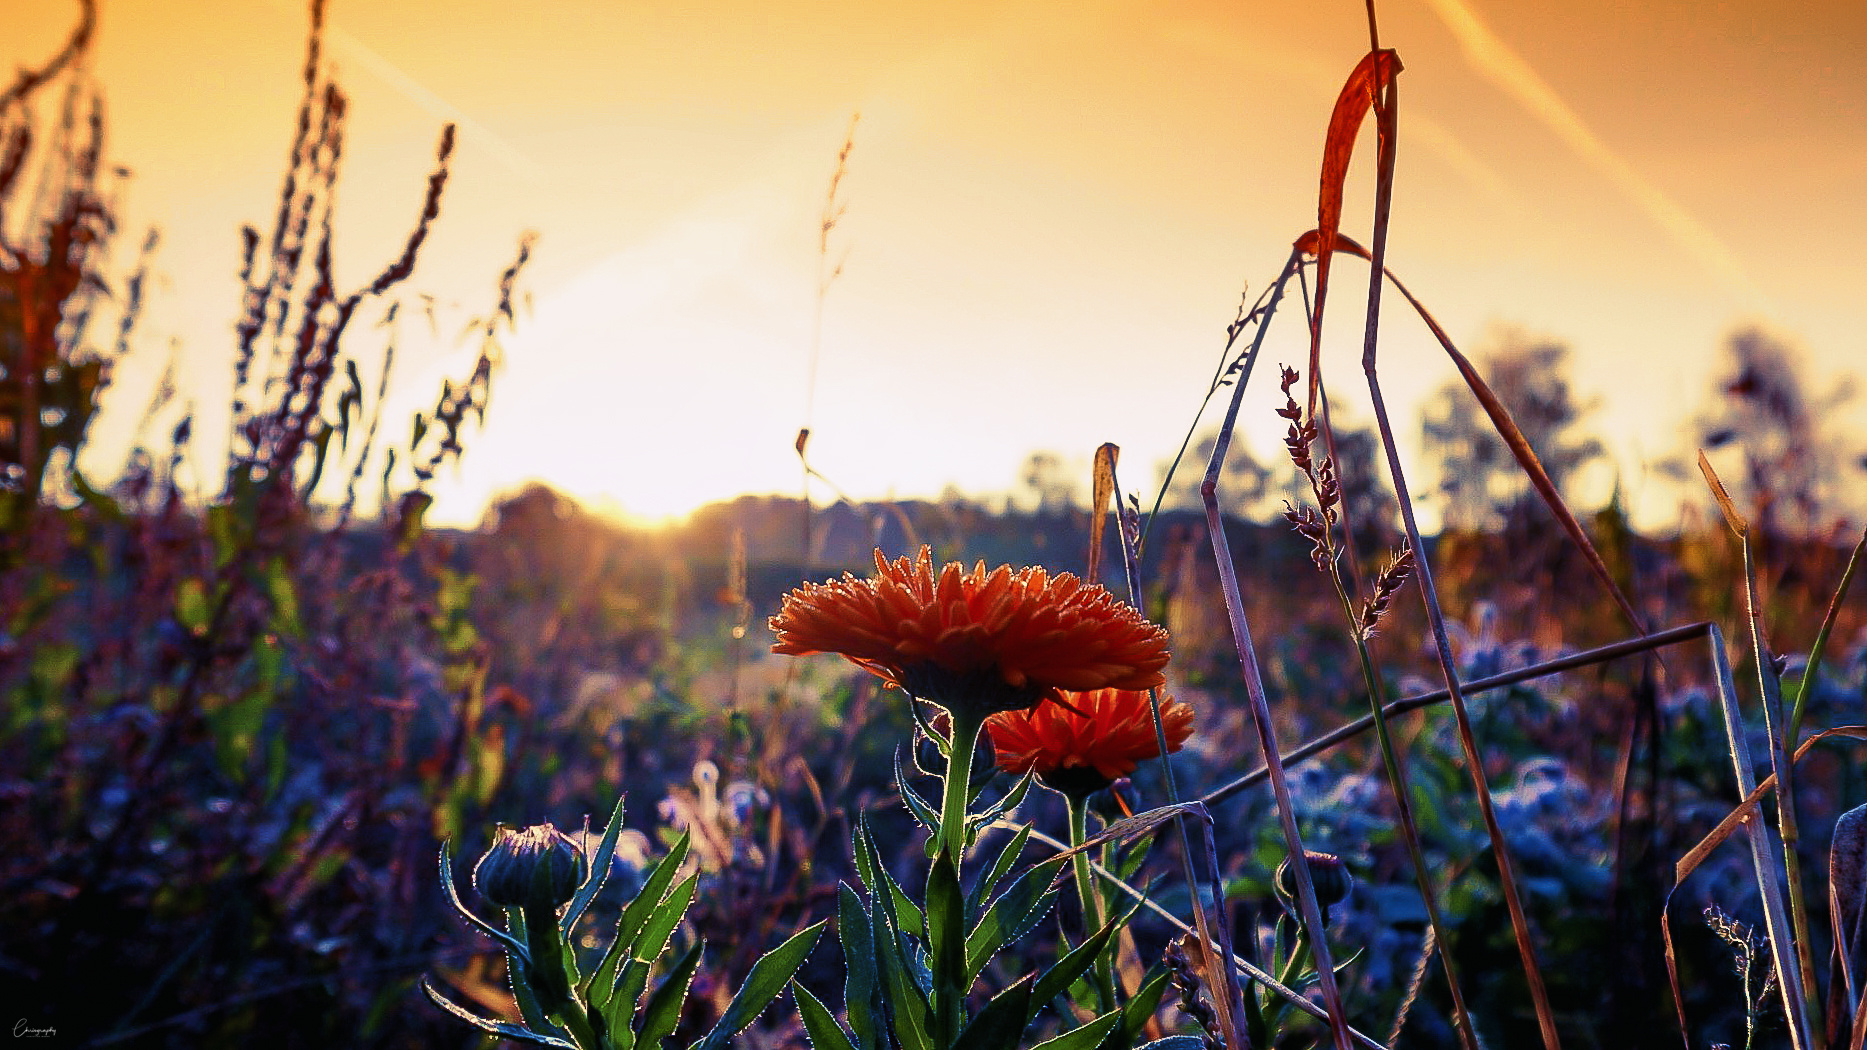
{"points": [[503, 1029], [762, 984], [861, 987], [629, 924], [1085, 1037], [509, 942], [1000, 1026], [1013, 912], [1001, 866], [904, 914], [1073, 965], [1140, 1007], [599, 871], [819, 1024], [923, 811], [647, 947], [663, 1012]]}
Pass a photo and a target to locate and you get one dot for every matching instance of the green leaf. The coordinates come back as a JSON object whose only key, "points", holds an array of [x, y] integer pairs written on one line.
{"points": [[923, 811], [1000, 1026], [1074, 964], [663, 1011], [1174, 1042], [648, 946], [1004, 805], [1000, 867], [629, 924], [1015, 911], [1085, 1037], [224, 531], [1140, 1007], [903, 988], [191, 608], [599, 870], [766, 979], [284, 596], [861, 986], [500, 1028], [509, 942], [904, 914], [946, 929], [819, 1023]]}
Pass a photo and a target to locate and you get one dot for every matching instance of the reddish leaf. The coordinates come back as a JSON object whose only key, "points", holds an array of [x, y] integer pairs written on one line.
{"points": [[1372, 75]]}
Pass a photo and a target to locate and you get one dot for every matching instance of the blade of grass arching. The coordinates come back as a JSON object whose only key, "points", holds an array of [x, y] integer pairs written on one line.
{"points": [[1261, 719], [1386, 106], [1804, 687], [1769, 689], [1361, 725], [1763, 850], [1228, 998], [1506, 427]]}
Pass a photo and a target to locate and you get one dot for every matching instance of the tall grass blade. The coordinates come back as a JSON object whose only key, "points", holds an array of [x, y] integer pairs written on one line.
{"points": [[1266, 729], [1764, 850], [1811, 669]]}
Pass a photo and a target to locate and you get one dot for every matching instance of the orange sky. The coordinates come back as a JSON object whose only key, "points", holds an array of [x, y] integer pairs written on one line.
{"points": [[1052, 212]]}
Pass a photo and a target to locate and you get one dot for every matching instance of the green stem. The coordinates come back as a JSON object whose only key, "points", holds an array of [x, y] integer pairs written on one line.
{"points": [[1091, 900], [945, 908], [963, 742]]}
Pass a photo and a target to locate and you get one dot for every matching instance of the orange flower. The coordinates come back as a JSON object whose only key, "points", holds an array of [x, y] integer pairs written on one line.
{"points": [[1082, 748], [986, 642]]}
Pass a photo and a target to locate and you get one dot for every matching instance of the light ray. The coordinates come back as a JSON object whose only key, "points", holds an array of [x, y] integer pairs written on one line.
{"points": [[1504, 67], [473, 133]]}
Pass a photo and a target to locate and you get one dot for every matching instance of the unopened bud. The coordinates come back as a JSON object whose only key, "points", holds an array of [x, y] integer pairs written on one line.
{"points": [[537, 868], [1327, 873]]}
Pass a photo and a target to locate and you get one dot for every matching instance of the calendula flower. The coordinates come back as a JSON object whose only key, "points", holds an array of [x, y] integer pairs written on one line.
{"points": [[1087, 741], [976, 641]]}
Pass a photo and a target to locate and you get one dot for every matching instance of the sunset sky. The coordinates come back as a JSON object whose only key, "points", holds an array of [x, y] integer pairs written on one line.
{"points": [[1052, 212]]}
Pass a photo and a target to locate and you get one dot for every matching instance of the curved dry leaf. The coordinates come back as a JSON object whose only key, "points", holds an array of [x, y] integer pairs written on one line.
{"points": [[1104, 496], [1307, 245], [1371, 76]]}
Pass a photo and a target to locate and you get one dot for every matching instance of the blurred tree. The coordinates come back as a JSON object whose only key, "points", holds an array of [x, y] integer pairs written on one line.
{"points": [[1257, 489], [1246, 484], [1481, 487], [1047, 485], [1796, 466]]}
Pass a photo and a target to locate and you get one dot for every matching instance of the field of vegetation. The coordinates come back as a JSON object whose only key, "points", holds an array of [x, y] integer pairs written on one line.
{"points": [[1535, 779]]}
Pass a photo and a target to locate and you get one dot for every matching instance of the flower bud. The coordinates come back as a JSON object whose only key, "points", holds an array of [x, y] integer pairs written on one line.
{"points": [[537, 868], [1326, 871]]}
